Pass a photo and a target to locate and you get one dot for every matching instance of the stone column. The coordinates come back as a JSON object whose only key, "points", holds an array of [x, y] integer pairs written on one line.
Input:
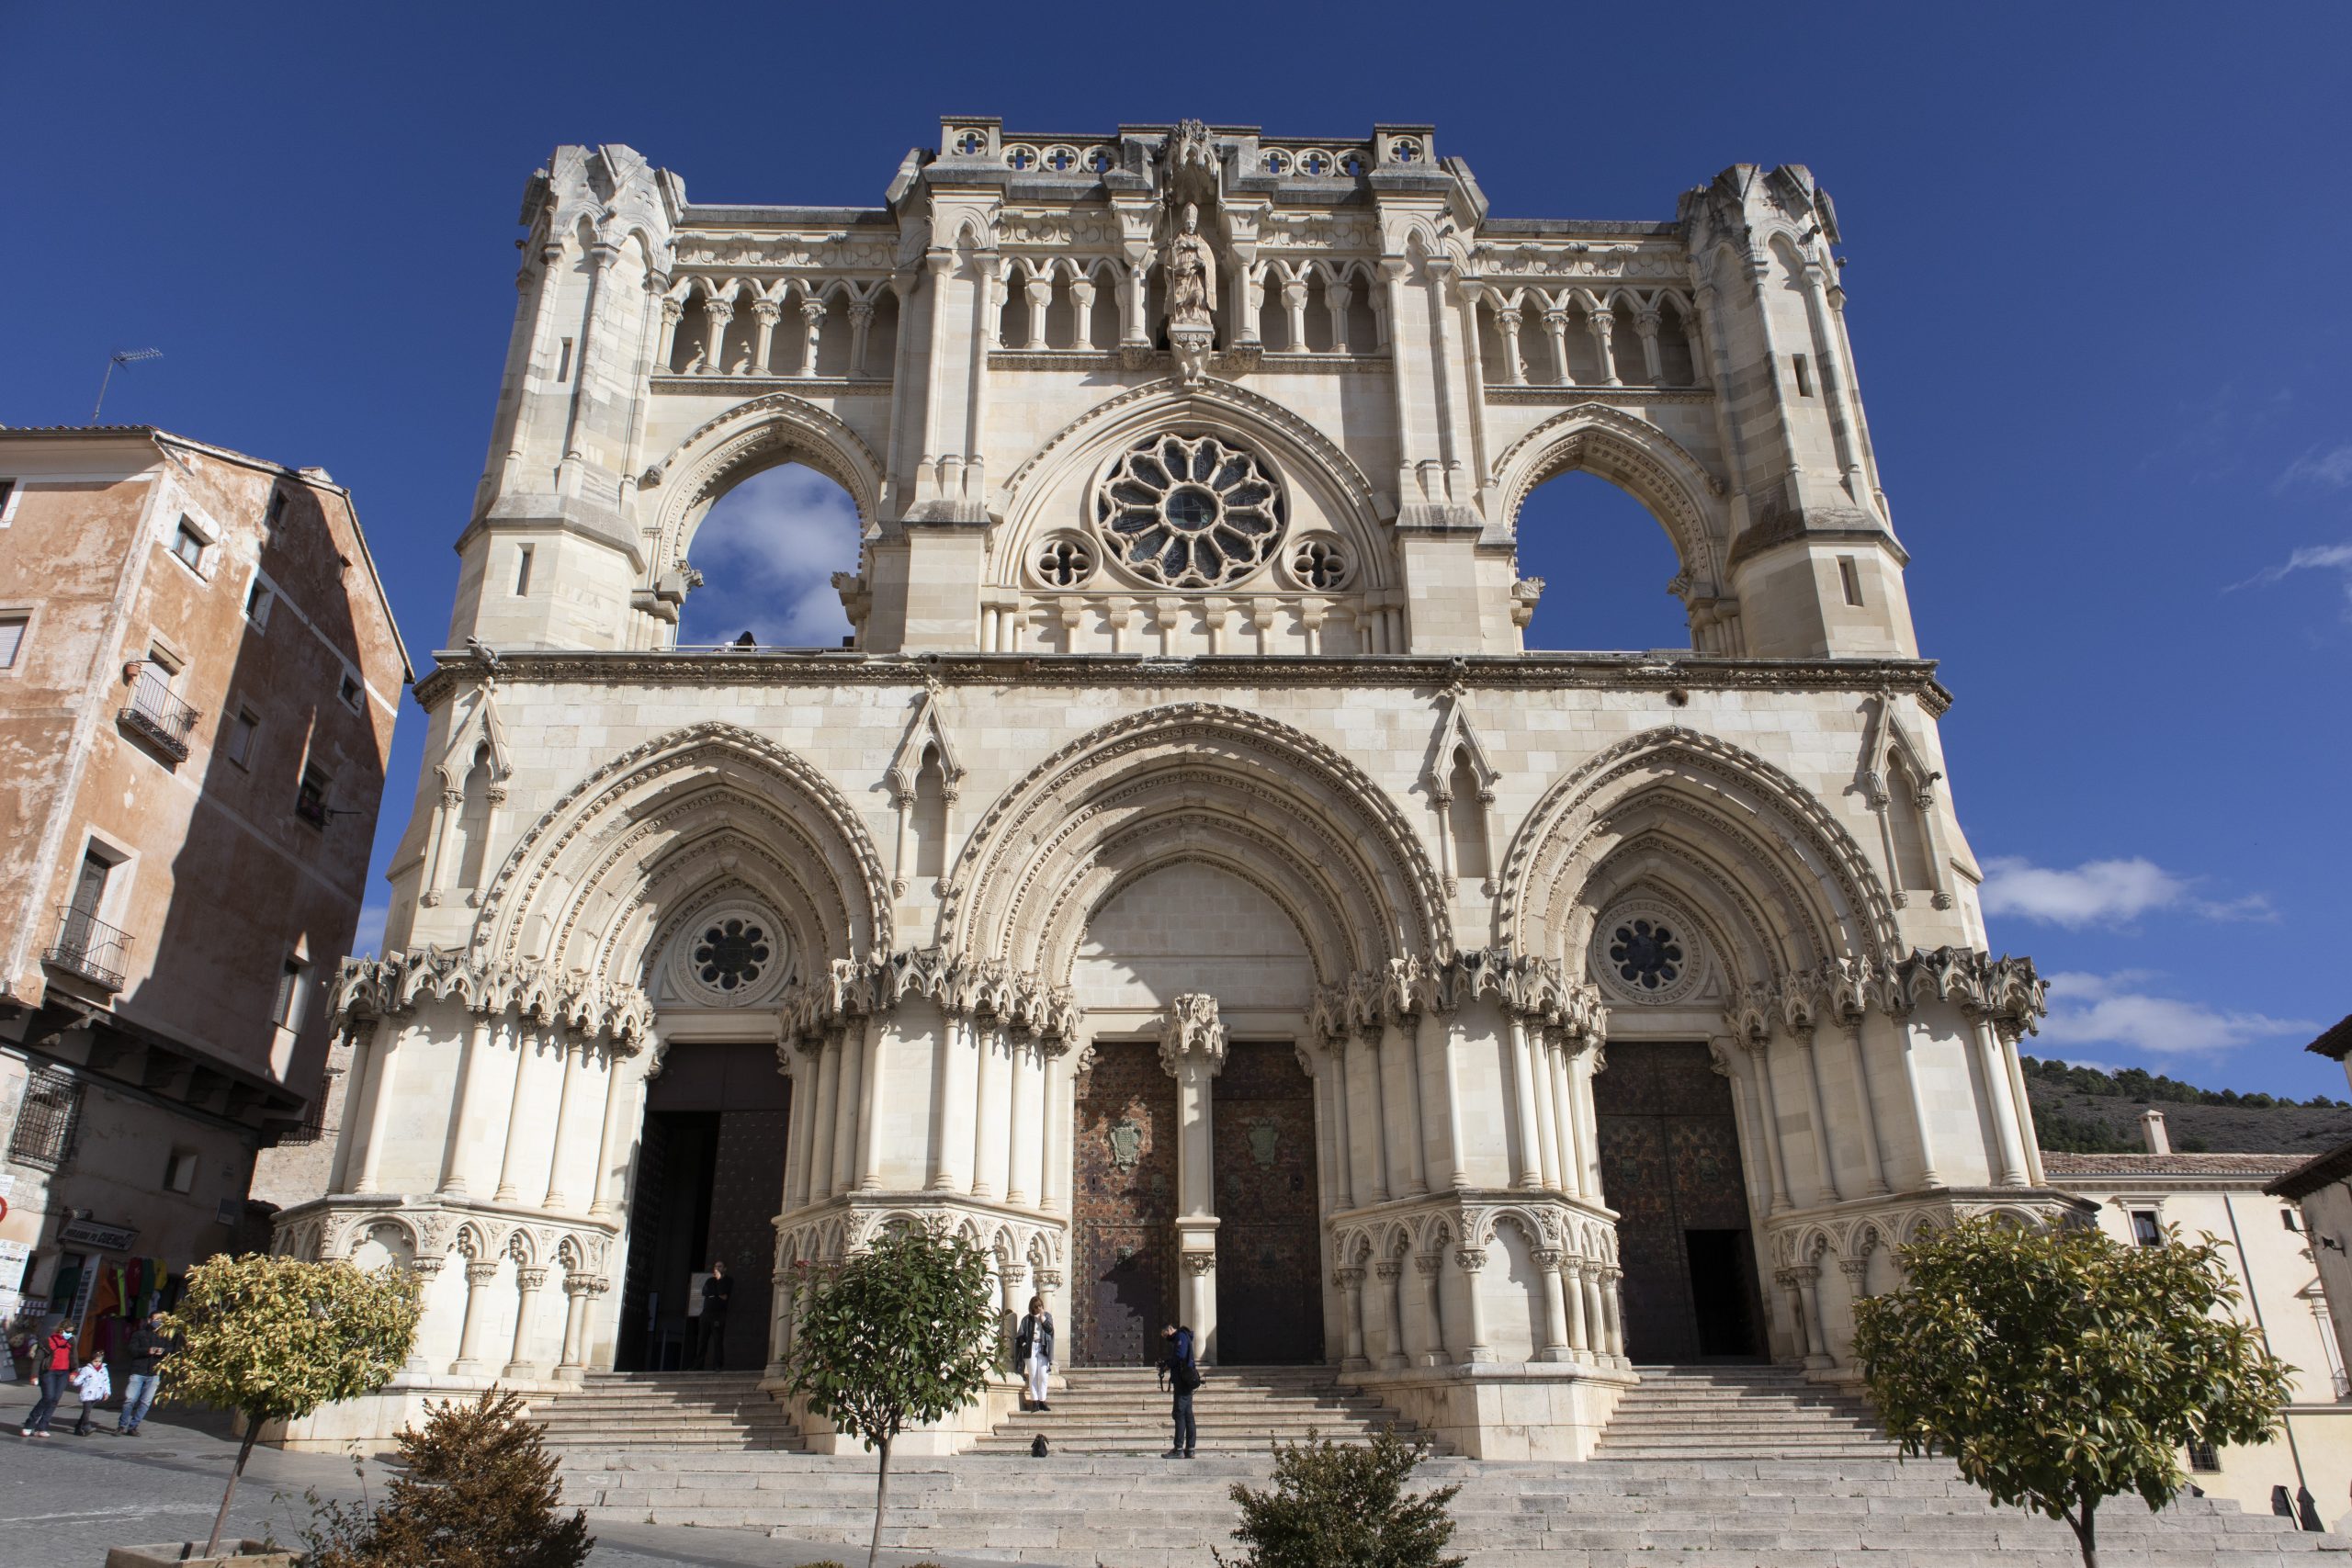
{"points": [[955, 1174], [510, 1164], [1408, 1164], [1470, 1260], [1927, 1176], [1759, 1061], [1868, 1102], [861, 323], [1645, 324], [1558, 1063], [991, 1111], [1808, 1283], [1827, 1192], [2010, 1146], [464, 1122], [1572, 1290], [1596, 1316], [1040, 294], [1558, 1344], [1612, 1311], [849, 1088], [1390, 1271], [1019, 1184], [1547, 1112], [716, 314], [801, 1127], [384, 1061], [1053, 1184], [1430, 1267], [1506, 325], [1527, 1146], [1343, 1166], [812, 333], [1010, 1273], [821, 1116], [1192, 1050], [1556, 326], [1433, 1060], [480, 1272], [575, 1053], [767, 313], [1081, 312], [1372, 1131], [1600, 325], [1350, 1283], [528, 1282], [577, 1289], [605, 1187], [673, 311]]}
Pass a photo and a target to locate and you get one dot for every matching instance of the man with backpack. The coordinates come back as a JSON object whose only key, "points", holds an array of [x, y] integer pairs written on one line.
{"points": [[1180, 1374]]}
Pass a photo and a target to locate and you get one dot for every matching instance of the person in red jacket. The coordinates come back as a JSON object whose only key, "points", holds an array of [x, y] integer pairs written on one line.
{"points": [[56, 1363]]}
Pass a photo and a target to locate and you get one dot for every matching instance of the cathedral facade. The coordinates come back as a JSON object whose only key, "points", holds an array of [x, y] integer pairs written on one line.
{"points": [[1184, 881]]}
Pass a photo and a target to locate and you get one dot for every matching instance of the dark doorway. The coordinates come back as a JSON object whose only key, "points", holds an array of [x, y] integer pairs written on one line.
{"points": [[709, 1182], [1670, 1165], [1123, 1209], [1269, 1260]]}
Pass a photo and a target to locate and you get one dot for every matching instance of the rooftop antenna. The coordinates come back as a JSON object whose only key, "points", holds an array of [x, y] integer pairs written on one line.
{"points": [[120, 357]]}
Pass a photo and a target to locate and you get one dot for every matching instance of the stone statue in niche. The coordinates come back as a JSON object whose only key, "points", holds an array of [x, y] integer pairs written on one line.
{"points": [[1192, 296]]}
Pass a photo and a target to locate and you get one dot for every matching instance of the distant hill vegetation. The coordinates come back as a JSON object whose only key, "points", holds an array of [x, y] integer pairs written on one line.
{"points": [[2086, 1110]]}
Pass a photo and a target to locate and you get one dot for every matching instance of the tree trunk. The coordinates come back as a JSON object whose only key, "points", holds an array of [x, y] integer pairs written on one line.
{"points": [[2085, 1533], [881, 1501], [228, 1494]]}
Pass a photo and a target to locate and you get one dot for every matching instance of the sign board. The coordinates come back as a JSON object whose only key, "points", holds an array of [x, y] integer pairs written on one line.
{"points": [[90, 1233]]}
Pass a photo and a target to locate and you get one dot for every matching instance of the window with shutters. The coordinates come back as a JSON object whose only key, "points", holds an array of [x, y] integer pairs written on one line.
{"points": [[12, 636], [47, 1119]]}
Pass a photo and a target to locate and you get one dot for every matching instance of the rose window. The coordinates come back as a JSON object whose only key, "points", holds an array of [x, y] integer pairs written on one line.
{"points": [[1647, 954], [730, 954], [1189, 511]]}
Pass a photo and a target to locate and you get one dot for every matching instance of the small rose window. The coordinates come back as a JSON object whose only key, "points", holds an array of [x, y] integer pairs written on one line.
{"points": [[1189, 511], [730, 954], [1647, 954]]}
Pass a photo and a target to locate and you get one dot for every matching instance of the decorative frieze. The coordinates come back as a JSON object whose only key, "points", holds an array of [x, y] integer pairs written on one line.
{"points": [[2004, 991], [960, 986], [393, 985]]}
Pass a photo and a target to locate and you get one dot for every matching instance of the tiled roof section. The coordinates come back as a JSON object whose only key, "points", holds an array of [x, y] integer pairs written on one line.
{"points": [[2314, 1173], [2336, 1041], [2057, 1165]]}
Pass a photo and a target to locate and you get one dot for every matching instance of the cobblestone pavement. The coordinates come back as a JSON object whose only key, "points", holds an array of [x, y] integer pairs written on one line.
{"points": [[64, 1501]]}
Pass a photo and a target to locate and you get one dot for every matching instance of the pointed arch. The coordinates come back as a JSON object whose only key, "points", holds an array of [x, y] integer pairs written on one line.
{"points": [[747, 438], [1782, 883], [586, 887], [1639, 457], [1200, 782]]}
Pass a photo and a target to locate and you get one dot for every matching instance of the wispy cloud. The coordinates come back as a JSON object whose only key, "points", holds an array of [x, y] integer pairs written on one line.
{"points": [[2122, 1009], [767, 553], [2102, 893], [2311, 558], [2327, 466]]}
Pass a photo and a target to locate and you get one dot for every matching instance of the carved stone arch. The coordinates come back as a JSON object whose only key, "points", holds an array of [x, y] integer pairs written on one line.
{"points": [[640, 810], [1640, 459], [523, 1247], [1120, 860], [1308, 463], [1754, 827], [745, 440], [1201, 776]]}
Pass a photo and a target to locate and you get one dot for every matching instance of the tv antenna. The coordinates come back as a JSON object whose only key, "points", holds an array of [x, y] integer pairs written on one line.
{"points": [[120, 357]]}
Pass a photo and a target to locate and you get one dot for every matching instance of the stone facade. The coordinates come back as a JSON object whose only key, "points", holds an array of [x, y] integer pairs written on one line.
{"points": [[197, 698], [1187, 715]]}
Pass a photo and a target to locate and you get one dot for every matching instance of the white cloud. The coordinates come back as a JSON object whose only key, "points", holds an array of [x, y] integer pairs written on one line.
{"points": [[2101, 892], [767, 553], [2118, 1010], [2311, 558], [2322, 465]]}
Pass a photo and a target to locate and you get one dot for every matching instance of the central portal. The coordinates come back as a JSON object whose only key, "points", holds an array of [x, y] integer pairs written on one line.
{"points": [[1670, 1161], [1268, 1257], [1124, 1208]]}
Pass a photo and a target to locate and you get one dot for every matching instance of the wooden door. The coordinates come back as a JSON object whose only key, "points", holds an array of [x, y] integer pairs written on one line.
{"points": [[1124, 1208], [1269, 1254]]}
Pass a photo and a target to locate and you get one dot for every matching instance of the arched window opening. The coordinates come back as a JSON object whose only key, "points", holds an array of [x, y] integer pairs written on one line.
{"points": [[1465, 820], [767, 550], [1103, 323], [1012, 314], [1274, 320], [1363, 320], [930, 820], [833, 335], [1318, 315], [881, 344], [1605, 563], [473, 821], [1583, 351], [1676, 334], [1914, 867], [1061, 318]]}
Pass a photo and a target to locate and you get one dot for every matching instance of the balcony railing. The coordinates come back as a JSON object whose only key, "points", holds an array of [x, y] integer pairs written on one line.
{"points": [[91, 948], [157, 715]]}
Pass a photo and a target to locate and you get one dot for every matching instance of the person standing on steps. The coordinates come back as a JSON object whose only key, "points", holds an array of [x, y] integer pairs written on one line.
{"points": [[711, 1354], [142, 1361], [1180, 1374], [1033, 1350], [54, 1357]]}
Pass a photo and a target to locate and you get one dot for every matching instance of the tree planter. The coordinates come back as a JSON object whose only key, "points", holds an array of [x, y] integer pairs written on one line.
{"points": [[246, 1554]]}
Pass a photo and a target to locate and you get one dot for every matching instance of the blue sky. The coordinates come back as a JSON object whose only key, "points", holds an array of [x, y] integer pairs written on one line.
{"points": [[2096, 288]]}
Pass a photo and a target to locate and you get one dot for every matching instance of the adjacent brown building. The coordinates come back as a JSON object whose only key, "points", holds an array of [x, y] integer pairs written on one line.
{"points": [[198, 677]]}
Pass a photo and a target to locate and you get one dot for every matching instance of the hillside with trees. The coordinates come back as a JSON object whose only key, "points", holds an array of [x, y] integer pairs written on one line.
{"points": [[2086, 1111]]}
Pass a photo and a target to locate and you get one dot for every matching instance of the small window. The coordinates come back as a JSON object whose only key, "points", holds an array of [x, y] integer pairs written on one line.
{"points": [[2144, 1228], [179, 1172], [310, 798], [46, 1120], [563, 365], [244, 729], [1804, 376], [2203, 1459], [287, 1012], [1850, 577], [7, 501], [188, 545], [351, 692], [258, 599], [275, 513], [12, 637], [521, 571], [2286, 1217]]}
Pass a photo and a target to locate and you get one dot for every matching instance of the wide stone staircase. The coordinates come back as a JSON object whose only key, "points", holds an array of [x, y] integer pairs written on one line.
{"points": [[1739, 1412], [1120, 1410], [699, 1413]]}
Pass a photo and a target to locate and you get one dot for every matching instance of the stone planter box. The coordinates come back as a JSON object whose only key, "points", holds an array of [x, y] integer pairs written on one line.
{"points": [[242, 1554]]}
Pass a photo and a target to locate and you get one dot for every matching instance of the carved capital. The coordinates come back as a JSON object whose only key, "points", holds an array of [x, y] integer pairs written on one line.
{"points": [[530, 1279], [481, 1273], [1192, 1035], [1348, 1279], [1470, 1260]]}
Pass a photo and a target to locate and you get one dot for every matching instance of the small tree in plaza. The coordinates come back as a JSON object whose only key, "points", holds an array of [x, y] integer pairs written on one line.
{"points": [[1337, 1505], [2058, 1367], [899, 1333], [274, 1339]]}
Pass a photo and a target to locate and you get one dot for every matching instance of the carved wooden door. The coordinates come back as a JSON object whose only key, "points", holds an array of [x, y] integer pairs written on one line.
{"points": [[1123, 1211], [1670, 1166], [1269, 1256]]}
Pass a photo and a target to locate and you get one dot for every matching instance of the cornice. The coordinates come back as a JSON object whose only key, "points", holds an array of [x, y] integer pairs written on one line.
{"points": [[457, 670]]}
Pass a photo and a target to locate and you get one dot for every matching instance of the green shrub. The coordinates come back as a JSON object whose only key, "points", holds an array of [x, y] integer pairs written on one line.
{"points": [[477, 1491], [1343, 1507]]}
